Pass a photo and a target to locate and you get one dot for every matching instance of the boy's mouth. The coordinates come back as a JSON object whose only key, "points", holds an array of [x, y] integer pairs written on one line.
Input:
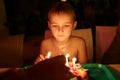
{"points": [[60, 35]]}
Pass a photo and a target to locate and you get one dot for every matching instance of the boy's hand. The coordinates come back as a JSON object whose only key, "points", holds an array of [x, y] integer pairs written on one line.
{"points": [[40, 58]]}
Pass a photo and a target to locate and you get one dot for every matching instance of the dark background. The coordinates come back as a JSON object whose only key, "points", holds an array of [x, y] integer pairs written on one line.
{"points": [[30, 16]]}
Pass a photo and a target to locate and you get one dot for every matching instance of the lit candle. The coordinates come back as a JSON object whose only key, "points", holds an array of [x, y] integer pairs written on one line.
{"points": [[48, 55], [67, 56], [73, 61]]}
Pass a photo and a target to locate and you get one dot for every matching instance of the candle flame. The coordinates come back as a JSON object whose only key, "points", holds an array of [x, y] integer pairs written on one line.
{"points": [[67, 55], [73, 61], [49, 54]]}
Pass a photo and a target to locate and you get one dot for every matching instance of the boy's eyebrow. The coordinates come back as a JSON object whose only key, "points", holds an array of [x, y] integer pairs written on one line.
{"points": [[53, 23], [64, 22]]}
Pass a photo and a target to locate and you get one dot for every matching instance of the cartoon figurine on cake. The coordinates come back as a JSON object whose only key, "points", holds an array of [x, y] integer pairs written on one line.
{"points": [[75, 68]]}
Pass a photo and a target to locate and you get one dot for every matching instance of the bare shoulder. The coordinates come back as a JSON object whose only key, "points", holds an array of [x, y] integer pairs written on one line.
{"points": [[78, 40], [46, 41]]}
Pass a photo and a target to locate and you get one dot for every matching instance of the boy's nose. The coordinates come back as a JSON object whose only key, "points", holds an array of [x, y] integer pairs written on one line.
{"points": [[60, 29]]}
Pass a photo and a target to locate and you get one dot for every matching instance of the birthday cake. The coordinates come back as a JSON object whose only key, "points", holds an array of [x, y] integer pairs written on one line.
{"points": [[51, 69]]}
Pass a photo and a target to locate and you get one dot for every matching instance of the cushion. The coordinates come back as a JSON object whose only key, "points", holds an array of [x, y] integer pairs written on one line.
{"points": [[112, 55]]}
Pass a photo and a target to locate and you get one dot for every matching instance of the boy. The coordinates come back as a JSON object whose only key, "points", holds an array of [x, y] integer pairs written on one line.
{"points": [[61, 22]]}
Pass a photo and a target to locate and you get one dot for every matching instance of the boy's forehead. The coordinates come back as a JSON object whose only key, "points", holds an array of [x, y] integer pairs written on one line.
{"points": [[60, 15]]}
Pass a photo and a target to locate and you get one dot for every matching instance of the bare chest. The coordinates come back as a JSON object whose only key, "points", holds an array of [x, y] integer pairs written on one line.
{"points": [[63, 50]]}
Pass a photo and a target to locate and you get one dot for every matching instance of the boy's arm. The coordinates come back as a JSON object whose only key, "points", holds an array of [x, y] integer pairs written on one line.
{"points": [[41, 56], [82, 52]]}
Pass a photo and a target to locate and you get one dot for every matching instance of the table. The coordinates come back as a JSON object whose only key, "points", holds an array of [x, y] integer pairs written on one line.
{"points": [[115, 68]]}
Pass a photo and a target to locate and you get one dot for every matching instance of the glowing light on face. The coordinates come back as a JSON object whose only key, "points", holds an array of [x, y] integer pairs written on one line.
{"points": [[61, 26]]}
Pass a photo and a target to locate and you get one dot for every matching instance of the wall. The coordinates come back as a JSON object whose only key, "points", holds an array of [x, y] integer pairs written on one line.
{"points": [[3, 30]]}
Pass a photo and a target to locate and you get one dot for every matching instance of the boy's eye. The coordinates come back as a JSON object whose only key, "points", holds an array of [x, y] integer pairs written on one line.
{"points": [[54, 25], [67, 25]]}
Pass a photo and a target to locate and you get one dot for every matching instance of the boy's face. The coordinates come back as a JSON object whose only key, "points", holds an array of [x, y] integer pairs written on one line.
{"points": [[61, 26]]}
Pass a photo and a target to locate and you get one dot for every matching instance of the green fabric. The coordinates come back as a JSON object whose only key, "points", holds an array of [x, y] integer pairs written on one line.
{"points": [[100, 72]]}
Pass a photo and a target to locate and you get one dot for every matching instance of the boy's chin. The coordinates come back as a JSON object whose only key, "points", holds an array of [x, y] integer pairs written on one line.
{"points": [[60, 39]]}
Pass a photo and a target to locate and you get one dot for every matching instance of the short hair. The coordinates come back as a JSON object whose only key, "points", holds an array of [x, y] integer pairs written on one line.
{"points": [[62, 7]]}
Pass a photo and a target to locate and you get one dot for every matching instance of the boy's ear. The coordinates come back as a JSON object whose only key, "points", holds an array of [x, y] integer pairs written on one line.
{"points": [[75, 24], [49, 24]]}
